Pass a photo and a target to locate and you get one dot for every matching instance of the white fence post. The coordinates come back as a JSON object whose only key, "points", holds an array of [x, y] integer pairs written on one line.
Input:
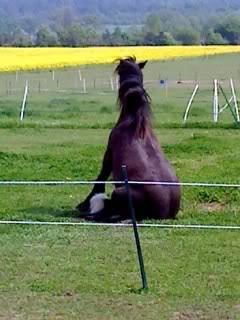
{"points": [[117, 83], [166, 88], [111, 84], [215, 101], [84, 85], [190, 103], [235, 100], [80, 75], [226, 105], [24, 101]]}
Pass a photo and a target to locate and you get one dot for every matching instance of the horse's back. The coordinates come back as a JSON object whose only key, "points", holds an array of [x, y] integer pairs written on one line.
{"points": [[144, 158], [146, 161]]}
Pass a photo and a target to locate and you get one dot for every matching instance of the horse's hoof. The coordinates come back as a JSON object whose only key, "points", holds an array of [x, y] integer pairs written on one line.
{"points": [[82, 207], [89, 217], [83, 215], [80, 214], [127, 221], [115, 219]]}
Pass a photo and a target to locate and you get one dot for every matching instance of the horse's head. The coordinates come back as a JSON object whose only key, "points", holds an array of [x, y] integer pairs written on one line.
{"points": [[129, 68], [133, 99]]}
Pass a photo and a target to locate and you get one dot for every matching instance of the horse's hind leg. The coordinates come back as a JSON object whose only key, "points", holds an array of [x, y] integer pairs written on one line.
{"points": [[117, 208], [103, 215], [101, 209], [120, 203], [175, 202]]}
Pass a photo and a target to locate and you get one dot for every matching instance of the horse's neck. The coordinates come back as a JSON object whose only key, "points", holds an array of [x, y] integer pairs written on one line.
{"points": [[122, 118]]}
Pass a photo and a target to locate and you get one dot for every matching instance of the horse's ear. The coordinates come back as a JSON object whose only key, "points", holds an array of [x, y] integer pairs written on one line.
{"points": [[142, 64]]}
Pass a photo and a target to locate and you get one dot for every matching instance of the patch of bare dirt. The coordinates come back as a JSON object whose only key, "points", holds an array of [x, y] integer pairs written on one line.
{"points": [[189, 315], [212, 207]]}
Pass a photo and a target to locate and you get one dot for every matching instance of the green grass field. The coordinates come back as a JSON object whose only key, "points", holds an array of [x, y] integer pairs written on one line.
{"points": [[92, 272]]}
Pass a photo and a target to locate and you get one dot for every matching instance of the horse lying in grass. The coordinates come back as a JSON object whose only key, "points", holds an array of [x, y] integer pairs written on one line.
{"points": [[133, 143]]}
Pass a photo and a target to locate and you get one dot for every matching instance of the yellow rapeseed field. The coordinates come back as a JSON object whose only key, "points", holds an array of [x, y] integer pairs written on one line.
{"points": [[12, 59]]}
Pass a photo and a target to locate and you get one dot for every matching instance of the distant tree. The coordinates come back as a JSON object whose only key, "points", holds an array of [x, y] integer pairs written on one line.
{"points": [[91, 36], [152, 25], [107, 38], [229, 29], [119, 37], [135, 36], [194, 22], [92, 21], [46, 38], [73, 36], [161, 39], [187, 36], [165, 39], [213, 38], [29, 25], [21, 39], [149, 39], [91, 26], [5, 39]]}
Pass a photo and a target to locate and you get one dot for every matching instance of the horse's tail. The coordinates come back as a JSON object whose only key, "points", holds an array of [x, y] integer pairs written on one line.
{"points": [[137, 103]]}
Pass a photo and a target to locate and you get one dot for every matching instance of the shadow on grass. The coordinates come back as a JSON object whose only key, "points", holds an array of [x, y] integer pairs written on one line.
{"points": [[47, 213]]}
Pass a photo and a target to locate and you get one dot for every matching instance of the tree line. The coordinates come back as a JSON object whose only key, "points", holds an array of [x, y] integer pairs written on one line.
{"points": [[66, 30]]}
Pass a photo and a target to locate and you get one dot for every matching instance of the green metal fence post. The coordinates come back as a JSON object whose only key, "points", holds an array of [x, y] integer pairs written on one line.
{"points": [[135, 229]]}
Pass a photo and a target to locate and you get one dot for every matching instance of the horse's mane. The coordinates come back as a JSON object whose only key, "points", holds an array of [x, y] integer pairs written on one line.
{"points": [[134, 101]]}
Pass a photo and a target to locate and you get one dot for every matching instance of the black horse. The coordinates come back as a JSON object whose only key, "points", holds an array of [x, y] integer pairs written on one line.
{"points": [[133, 143]]}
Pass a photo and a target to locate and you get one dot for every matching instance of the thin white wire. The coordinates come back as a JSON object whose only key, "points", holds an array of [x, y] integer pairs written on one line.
{"points": [[140, 225], [186, 226], [164, 183]]}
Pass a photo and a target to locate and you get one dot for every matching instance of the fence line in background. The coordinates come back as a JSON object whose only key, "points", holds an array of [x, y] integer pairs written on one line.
{"points": [[100, 83]]}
